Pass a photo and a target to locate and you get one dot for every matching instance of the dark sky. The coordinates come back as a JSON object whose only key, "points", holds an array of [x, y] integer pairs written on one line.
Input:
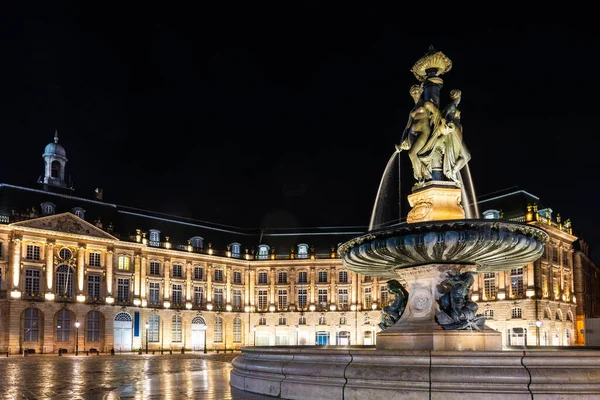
{"points": [[289, 113]]}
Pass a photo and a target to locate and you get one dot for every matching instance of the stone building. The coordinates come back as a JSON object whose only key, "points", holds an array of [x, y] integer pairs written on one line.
{"points": [[83, 274]]}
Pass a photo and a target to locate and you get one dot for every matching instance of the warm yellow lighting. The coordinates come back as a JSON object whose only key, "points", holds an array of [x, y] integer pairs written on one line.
{"points": [[15, 294], [228, 253], [209, 306], [530, 292], [574, 300], [475, 297], [501, 296], [210, 251], [353, 307], [144, 303], [167, 304], [168, 245], [435, 204], [312, 307], [247, 309], [272, 307], [332, 307], [49, 296], [374, 306], [138, 235], [228, 307], [80, 298], [188, 305], [564, 297], [137, 302], [109, 300]]}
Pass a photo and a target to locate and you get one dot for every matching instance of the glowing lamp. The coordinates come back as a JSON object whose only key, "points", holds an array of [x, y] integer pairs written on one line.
{"points": [[144, 303], [209, 306], [312, 307], [167, 304], [228, 307], [109, 300], [332, 307], [475, 297], [80, 298], [529, 292], [247, 309], [374, 306], [501, 296], [137, 302], [353, 307], [574, 300], [49, 296], [77, 324], [15, 294], [538, 323], [272, 307], [188, 305]]}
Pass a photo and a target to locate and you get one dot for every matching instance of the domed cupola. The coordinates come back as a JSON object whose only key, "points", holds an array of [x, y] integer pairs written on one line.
{"points": [[55, 160]]}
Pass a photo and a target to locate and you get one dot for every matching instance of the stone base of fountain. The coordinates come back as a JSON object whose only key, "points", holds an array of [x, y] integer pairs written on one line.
{"points": [[436, 201]]}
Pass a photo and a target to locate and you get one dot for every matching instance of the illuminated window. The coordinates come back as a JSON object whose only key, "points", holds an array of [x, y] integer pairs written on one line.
{"points": [[64, 281], [124, 263], [262, 299], [283, 299], [302, 251], [489, 314], [342, 320], [176, 329], [197, 242], [94, 259], [198, 296], [33, 252], [48, 208], [263, 252], [322, 298], [517, 313], [154, 236], [489, 285], [343, 299], [516, 282], [384, 296], [237, 330], [302, 296], [235, 250], [237, 299], [491, 214], [368, 299], [153, 328], [218, 337], [218, 297]]}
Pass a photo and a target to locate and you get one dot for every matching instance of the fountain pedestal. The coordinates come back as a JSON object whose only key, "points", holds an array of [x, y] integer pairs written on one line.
{"points": [[439, 200], [417, 328]]}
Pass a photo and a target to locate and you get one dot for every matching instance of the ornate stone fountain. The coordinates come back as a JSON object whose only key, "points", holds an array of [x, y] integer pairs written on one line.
{"points": [[433, 343]]}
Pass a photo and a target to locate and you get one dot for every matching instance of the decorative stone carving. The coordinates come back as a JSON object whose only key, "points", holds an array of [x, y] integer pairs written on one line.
{"points": [[64, 223]]}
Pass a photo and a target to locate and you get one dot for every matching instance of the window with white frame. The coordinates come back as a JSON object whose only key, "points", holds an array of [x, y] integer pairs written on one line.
{"points": [[262, 321], [343, 299], [198, 295], [322, 298], [237, 330], [516, 282], [262, 299], [65, 254], [235, 250], [218, 297], [489, 314], [32, 282], [123, 290], [237, 299], [33, 252], [80, 212], [198, 273], [218, 275], [176, 295], [48, 208], [93, 326], [177, 271], [124, 263], [64, 281], [302, 297], [343, 277], [262, 278], [153, 328], [218, 335], [282, 321], [63, 325], [94, 287], [322, 277], [154, 268], [303, 250], [154, 293], [176, 330], [94, 259], [197, 242], [385, 300], [263, 252], [282, 277], [368, 299], [237, 277], [517, 313], [154, 237], [343, 321], [489, 285], [302, 321], [303, 277], [322, 321], [283, 299]]}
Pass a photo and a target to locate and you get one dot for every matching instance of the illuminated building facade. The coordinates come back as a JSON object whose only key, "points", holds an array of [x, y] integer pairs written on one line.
{"points": [[135, 279]]}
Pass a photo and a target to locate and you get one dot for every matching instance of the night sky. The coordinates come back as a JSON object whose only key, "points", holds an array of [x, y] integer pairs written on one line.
{"points": [[287, 115]]}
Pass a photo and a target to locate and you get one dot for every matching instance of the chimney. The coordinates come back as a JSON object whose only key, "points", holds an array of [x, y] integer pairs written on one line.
{"points": [[98, 192]]}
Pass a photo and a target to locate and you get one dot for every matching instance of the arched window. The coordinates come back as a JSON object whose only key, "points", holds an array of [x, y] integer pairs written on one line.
{"points": [[153, 328], [302, 250], [262, 321], [322, 321], [65, 254], [218, 330], [302, 321], [93, 326], [237, 330], [569, 316], [235, 250], [558, 315], [48, 208], [154, 237], [176, 329], [282, 321], [197, 242], [489, 314], [547, 313], [55, 169], [342, 320], [198, 320], [31, 325], [263, 252], [64, 280], [80, 212], [517, 313], [63, 325]]}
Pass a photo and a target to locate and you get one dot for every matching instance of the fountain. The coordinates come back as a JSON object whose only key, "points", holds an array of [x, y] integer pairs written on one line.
{"points": [[432, 343]]}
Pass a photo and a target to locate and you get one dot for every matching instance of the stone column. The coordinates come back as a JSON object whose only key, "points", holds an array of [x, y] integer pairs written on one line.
{"points": [[143, 276], [375, 290], [80, 267], [167, 276], [49, 258], [209, 283], [251, 283], [501, 285], [188, 282], [313, 284], [109, 272], [136, 275], [272, 285], [16, 260]]}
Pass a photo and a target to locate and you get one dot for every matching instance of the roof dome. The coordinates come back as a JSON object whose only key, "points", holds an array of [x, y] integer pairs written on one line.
{"points": [[55, 149]]}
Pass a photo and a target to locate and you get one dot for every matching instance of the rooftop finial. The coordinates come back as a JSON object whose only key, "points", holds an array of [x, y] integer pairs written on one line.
{"points": [[56, 135]]}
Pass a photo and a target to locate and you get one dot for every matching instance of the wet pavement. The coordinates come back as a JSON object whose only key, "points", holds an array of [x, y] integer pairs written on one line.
{"points": [[104, 377]]}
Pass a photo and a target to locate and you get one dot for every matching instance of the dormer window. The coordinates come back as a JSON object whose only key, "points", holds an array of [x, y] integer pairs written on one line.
{"points": [[235, 250], [303, 250], [491, 214], [154, 237], [80, 212], [197, 242], [263, 252], [48, 208]]}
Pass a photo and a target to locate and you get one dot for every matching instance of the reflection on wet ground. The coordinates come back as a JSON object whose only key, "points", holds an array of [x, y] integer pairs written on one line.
{"points": [[187, 376]]}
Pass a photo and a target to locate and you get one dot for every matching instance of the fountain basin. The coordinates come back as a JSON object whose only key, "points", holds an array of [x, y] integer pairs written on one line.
{"points": [[488, 245]]}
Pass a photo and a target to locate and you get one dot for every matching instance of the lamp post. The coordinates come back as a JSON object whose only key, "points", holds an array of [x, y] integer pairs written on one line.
{"points": [[254, 329], [538, 324], [76, 338], [297, 329], [203, 329], [147, 327]]}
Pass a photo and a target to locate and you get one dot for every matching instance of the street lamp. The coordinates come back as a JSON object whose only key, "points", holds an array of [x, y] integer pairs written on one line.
{"points": [[147, 327], [538, 324], [297, 329], [203, 329], [76, 338], [254, 329]]}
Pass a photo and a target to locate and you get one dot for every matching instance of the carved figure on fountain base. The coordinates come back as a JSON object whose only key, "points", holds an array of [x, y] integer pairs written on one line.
{"points": [[435, 201]]}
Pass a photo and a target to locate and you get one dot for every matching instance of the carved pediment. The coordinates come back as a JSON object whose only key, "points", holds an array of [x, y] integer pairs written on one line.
{"points": [[64, 223]]}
